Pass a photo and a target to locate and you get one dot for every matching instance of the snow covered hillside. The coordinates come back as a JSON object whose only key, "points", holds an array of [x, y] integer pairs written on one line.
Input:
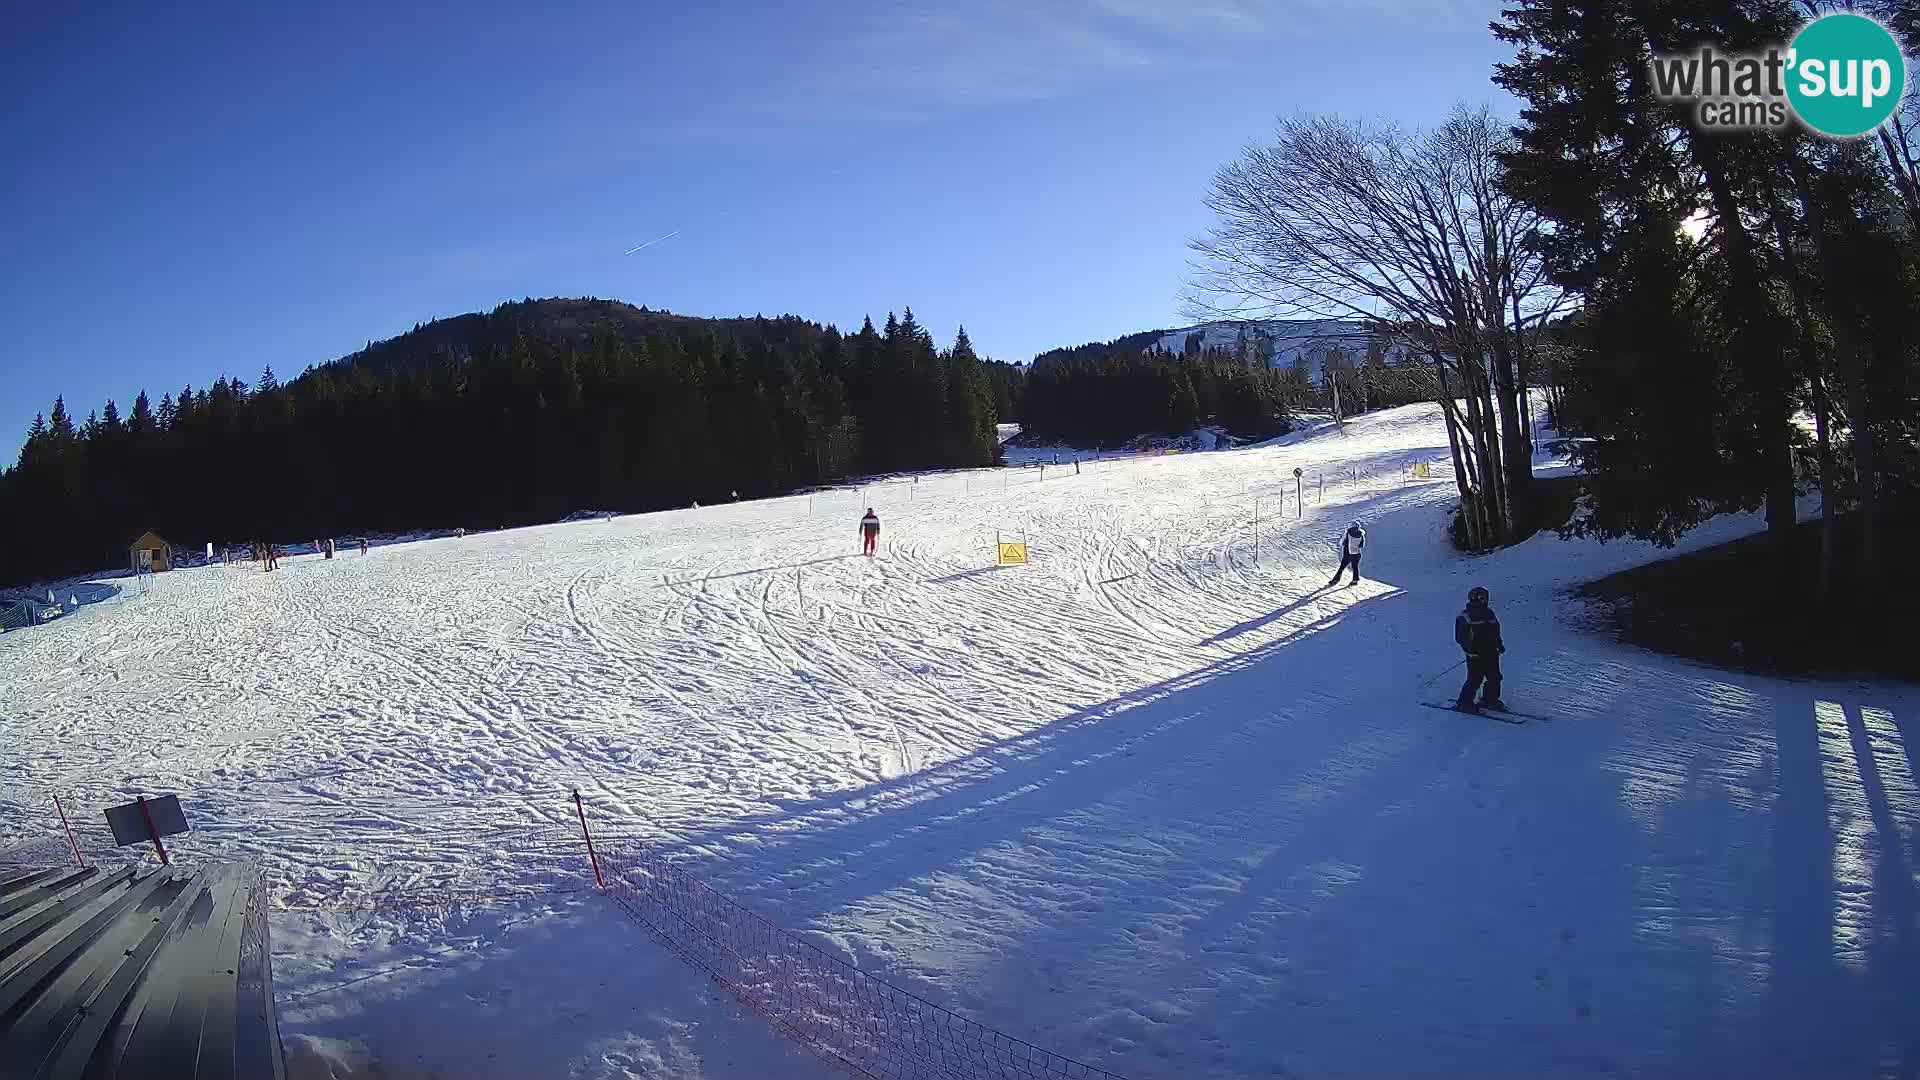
{"points": [[1159, 801], [1283, 343]]}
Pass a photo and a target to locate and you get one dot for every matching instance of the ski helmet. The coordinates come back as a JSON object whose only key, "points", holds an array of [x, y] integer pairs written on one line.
{"points": [[1477, 595]]}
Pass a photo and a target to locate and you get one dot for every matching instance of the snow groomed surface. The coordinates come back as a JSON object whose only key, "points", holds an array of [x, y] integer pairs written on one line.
{"points": [[1148, 802]]}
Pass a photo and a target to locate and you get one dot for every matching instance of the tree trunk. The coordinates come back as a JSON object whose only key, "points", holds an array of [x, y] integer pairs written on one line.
{"points": [[1755, 343], [1516, 452], [1463, 472], [1820, 423], [1489, 439], [1808, 356], [1853, 377]]}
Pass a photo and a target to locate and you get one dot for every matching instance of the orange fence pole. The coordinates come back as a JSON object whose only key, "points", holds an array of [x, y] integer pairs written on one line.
{"points": [[71, 842]]}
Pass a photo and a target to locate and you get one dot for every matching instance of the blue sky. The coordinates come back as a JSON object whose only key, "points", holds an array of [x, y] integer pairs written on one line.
{"points": [[188, 192]]}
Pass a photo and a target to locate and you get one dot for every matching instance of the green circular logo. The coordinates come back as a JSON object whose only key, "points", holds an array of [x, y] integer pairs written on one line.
{"points": [[1845, 75]]}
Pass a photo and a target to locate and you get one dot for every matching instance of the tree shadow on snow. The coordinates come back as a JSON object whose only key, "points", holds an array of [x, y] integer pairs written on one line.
{"points": [[1269, 618], [581, 991], [867, 830], [964, 575], [1680, 874], [698, 578]]}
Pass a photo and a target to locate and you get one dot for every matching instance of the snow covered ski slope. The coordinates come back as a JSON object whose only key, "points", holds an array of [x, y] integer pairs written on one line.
{"points": [[1160, 800]]}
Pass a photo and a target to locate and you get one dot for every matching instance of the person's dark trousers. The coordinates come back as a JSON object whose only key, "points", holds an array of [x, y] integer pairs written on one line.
{"points": [[1346, 561], [1481, 669]]}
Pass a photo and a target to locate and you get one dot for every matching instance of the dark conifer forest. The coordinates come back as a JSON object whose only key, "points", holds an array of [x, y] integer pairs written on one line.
{"points": [[1098, 395], [535, 410]]}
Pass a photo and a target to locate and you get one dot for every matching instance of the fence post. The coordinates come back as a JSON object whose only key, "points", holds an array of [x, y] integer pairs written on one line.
{"points": [[71, 842], [581, 809]]}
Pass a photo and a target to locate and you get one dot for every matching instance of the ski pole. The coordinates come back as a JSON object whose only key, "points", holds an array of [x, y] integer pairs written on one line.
{"points": [[1436, 678]]}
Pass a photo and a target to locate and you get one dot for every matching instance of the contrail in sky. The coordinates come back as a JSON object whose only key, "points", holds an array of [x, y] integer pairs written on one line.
{"points": [[654, 241]]}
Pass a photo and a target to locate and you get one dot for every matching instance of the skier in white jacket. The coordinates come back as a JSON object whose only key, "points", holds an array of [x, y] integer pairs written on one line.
{"points": [[1351, 543]]}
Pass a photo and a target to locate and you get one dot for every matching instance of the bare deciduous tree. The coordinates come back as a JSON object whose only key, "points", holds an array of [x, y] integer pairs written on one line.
{"points": [[1410, 232]]}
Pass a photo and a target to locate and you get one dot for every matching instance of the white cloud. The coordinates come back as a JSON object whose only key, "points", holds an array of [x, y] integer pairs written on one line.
{"points": [[986, 52], [982, 54]]}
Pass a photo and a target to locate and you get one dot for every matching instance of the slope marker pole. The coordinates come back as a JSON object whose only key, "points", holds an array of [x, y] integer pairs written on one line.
{"points": [[581, 809], [71, 842], [152, 829]]}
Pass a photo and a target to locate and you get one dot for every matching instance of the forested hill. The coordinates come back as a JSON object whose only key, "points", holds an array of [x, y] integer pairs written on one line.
{"points": [[519, 415], [1127, 345], [561, 321], [1107, 393]]}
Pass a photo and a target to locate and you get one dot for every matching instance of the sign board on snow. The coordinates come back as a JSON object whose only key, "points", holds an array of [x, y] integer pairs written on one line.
{"points": [[129, 825]]}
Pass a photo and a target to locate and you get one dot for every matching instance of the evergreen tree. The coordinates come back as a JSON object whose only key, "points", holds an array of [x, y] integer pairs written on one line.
{"points": [[1619, 172], [60, 428], [36, 439]]}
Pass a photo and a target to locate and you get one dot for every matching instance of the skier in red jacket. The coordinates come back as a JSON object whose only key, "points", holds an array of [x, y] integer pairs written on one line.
{"points": [[869, 532]]}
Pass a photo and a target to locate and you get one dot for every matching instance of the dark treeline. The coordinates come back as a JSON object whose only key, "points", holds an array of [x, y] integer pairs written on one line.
{"points": [[1104, 395], [523, 415]]}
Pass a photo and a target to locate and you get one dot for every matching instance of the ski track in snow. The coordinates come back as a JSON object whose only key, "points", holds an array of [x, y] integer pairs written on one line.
{"points": [[1156, 801]]}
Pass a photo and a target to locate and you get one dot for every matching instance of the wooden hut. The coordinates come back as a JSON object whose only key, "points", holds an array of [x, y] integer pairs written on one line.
{"points": [[150, 549]]}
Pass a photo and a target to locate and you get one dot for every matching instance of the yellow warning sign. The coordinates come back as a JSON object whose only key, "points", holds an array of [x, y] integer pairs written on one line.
{"points": [[1013, 554], [1422, 471]]}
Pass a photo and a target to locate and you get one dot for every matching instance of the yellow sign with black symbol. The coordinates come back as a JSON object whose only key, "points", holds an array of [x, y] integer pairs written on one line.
{"points": [[1013, 554]]}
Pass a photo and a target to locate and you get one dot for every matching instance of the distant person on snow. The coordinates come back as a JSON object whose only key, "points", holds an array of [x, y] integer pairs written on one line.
{"points": [[869, 532], [1478, 633], [1351, 543], [363, 545]]}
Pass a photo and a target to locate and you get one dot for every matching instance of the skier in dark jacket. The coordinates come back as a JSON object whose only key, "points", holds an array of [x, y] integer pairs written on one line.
{"points": [[869, 532], [1351, 543], [1477, 632]]}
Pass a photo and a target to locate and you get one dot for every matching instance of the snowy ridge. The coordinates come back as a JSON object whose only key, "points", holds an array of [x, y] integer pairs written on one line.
{"points": [[1283, 343], [1159, 801]]}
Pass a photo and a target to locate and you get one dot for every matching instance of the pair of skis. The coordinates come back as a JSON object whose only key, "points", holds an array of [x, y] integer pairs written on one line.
{"points": [[1505, 716]]}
